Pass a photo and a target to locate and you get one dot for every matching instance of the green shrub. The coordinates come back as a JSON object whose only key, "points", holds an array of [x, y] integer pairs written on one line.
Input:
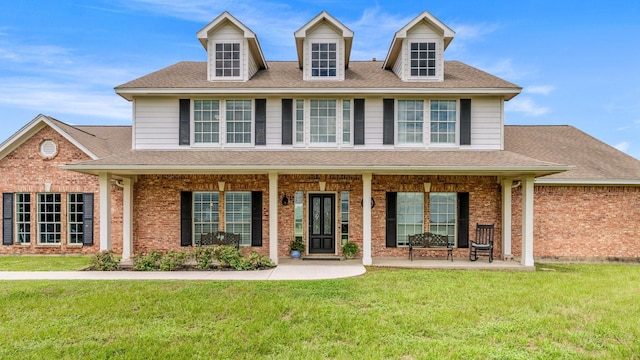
{"points": [[203, 257], [172, 261], [147, 262], [349, 249], [228, 256], [104, 261]]}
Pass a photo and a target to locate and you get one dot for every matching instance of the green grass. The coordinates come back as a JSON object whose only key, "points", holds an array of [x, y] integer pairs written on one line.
{"points": [[573, 312], [44, 263]]}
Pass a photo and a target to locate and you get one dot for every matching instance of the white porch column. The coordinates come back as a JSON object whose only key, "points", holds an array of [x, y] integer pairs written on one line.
{"points": [[527, 220], [273, 217], [506, 219], [127, 219], [105, 211], [366, 219]]}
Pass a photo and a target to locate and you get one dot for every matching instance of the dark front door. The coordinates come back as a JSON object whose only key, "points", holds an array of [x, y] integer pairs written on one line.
{"points": [[322, 219]]}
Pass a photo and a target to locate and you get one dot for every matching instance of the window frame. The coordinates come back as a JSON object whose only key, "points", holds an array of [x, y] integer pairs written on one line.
{"points": [[427, 66], [19, 220], [231, 220], [420, 216], [222, 123], [316, 71], [456, 122], [214, 203], [56, 222], [216, 60], [426, 123], [422, 142], [78, 224], [339, 123], [435, 226]]}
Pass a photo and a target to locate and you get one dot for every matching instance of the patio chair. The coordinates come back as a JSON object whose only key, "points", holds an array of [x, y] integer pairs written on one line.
{"points": [[483, 243]]}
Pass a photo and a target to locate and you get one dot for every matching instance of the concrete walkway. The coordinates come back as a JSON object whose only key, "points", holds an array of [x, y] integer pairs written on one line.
{"points": [[286, 270]]}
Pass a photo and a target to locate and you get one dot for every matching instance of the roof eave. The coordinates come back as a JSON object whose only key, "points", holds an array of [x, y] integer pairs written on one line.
{"points": [[130, 93], [588, 182]]}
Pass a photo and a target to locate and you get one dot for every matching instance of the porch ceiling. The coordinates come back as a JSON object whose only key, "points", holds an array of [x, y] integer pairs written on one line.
{"points": [[494, 163]]}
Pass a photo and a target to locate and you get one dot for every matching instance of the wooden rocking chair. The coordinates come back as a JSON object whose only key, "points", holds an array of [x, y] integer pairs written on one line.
{"points": [[483, 242]]}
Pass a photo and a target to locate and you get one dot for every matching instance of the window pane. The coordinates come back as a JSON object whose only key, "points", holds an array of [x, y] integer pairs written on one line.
{"points": [[410, 216], [238, 121], [237, 214], [23, 218], [323, 51], [419, 52], [224, 54], [205, 213], [410, 119], [49, 218], [323, 121], [442, 214], [206, 115], [74, 221], [443, 121]]}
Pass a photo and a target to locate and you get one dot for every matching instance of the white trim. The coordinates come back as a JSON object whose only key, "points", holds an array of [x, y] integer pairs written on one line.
{"points": [[527, 221], [582, 182], [127, 219], [506, 218], [105, 211], [273, 217], [366, 219], [129, 93]]}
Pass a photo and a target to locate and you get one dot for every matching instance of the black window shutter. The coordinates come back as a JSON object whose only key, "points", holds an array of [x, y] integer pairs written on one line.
{"points": [[463, 220], [7, 218], [87, 219], [185, 120], [391, 219], [358, 121], [261, 121], [256, 218], [185, 218], [388, 115], [465, 121], [287, 121]]}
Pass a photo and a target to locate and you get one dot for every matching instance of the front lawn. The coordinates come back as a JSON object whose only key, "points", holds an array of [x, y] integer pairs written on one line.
{"points": [[44, 263], [572, 312]]}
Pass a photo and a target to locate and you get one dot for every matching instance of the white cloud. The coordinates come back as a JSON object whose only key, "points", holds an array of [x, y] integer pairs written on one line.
{"points": [[473, 31], [368, 30], [623, 146], [526, 106], [539, 89], [504, 68]]}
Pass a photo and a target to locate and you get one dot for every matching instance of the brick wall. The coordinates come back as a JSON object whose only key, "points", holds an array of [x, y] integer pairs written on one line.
{"points": [[156, 207], [586, 222], [484, 207], [25, 170]]}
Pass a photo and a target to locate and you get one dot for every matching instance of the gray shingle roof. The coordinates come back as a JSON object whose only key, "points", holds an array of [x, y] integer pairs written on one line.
{"points": [[287, 74], [593, 160]]}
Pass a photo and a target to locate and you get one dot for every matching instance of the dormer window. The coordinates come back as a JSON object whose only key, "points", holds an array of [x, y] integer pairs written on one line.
{"points": [[228, 59], [323, 59], [423, 59]]}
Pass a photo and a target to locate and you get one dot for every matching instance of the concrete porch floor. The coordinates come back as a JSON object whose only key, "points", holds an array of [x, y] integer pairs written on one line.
{"points": [[456, 264]]}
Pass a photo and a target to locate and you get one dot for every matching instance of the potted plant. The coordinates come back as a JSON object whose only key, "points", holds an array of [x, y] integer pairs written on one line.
{"points": [[349, 249], [296, 247]]}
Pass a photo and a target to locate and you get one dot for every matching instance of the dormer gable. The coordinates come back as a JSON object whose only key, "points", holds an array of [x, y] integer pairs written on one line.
{"points": [[233, 50], [417, 49], [324, 48]]}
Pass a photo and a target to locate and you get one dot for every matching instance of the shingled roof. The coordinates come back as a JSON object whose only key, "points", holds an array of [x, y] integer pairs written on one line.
{"points": [[361, 76], [594, 161]]}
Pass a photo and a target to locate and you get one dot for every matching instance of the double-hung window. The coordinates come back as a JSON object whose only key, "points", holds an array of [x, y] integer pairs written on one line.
{"points": [[442, 213], [443, 121], [323, 121], [206, 214], [227, 60], [75, 212], [49, 218], [410, 121], [409, 215], [237, 214], [324, 60], [423, 59], [218, 121], [23, 218], [238, 121]]}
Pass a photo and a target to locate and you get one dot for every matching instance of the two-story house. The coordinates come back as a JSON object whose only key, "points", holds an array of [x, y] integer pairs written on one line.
{"points": [[323, 148]]}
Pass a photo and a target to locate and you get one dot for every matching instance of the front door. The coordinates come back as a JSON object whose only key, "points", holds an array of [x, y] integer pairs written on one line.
{"points": [[322, 219]]}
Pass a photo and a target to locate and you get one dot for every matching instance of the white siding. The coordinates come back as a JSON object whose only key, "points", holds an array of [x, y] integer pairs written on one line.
{"points": [[274, 122], [486, 123], [323, 34], [156, 123], [372, 123]]}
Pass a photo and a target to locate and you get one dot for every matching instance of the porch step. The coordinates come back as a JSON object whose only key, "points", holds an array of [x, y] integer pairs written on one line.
{"points": [[322, 257]]}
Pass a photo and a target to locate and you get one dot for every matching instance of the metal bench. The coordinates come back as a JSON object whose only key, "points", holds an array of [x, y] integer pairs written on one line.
{"points": [[430, 241], [220, 238]]}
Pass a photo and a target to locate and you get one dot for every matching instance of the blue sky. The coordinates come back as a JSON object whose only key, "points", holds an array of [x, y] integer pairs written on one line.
{"points": [[578, 62]]}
